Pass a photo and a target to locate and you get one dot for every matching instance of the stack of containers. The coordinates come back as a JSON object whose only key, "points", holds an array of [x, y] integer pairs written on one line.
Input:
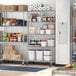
{"points": [[12, 37], [9, 53]]}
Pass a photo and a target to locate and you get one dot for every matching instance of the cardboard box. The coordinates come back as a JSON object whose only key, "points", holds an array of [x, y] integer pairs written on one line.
{"points": [[13, 52], [9, 47], [6, 56], [74, 21], [6, 52], [74, 13], [9, 8], [16, 57], [22, 7]]}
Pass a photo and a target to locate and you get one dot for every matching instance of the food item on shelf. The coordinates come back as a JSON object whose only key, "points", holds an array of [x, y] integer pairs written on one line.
{"points": [[32, 42], [39, 7], [7, 39], [38, 42], [20, 22], [42, 31], [32, 30], [9, 21], [13, 34], [38, 19], [44, 19], [22, 7], [9, 34], [4, 34], [9, 8], [10, 53], [30, 17], [14, 22], [34, 17], [24, 38], [19, 37], [48, 19], [43, 42], [13, 39]]}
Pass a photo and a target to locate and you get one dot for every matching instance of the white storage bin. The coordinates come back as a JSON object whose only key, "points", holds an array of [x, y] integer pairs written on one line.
{"points": [[42, 31], [47, 58], [49, 31], [50, 26], [51, 42], [44, 43], [47, 52], [31, 55], [39, 55]]}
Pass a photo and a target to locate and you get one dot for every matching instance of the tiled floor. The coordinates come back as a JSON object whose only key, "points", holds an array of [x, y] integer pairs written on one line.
{"points": [[46, 72]]}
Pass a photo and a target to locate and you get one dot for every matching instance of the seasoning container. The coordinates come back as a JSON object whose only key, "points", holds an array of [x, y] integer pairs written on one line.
{"points": [[32, 30], [49, 19], [44, 19], [42, 31], [48, 31], [14, 34], [32, 42], [9, 34], [52, 19], [43, 42], [38, 42], [7, 39], [24, 38], [38, 19], [13, 39], [19, 37], [34, 17]]}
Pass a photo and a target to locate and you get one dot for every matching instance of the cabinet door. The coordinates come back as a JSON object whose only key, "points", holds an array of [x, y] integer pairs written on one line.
{"points": [[63, 31]]}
